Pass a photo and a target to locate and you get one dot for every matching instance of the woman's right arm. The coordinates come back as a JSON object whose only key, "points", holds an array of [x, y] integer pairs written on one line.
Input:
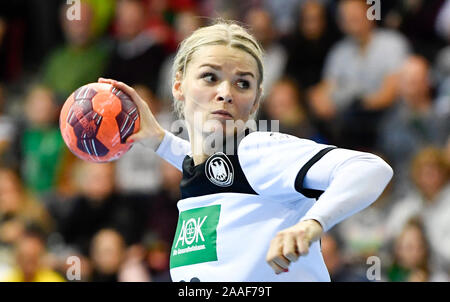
{"points": [[170, 147]]}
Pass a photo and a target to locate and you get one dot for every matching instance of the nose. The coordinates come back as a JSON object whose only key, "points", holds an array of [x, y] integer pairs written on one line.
{"points": [[224, 92]]}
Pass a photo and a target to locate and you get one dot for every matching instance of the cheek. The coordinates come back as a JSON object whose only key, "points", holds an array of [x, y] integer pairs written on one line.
{"points": [[244, 105], [197, 98]]}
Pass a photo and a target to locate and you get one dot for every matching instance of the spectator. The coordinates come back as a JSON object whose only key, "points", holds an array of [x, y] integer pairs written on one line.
{"points": [[359, 77], [81, 60], [260, 23], [18, 208], [137, 56], [339, 269], [414, 122], [30, 253], [107, 253], [428, 200], [40, 147], [284, 105], [284, 13], [134, 268], [309, 44], [412, 256], [99, 206], [158, 261]]}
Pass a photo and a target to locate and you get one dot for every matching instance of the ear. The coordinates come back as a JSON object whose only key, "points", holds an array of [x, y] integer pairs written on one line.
{"points": [[177, 90]]}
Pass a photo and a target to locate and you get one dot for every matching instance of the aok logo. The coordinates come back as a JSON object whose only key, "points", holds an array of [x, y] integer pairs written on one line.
{"points": [[196, 236], [191, 231]]}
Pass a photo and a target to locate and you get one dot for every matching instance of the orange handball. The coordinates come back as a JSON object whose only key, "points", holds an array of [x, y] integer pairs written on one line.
{"points": [[96, 121]]}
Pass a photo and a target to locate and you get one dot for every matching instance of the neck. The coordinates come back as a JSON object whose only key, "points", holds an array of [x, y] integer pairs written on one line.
{"points": [[364, 40], [421, 104], [203, 145]]}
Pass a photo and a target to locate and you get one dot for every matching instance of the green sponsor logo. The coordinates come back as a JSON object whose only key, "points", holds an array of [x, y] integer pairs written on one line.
{"points": [[196, 236]]}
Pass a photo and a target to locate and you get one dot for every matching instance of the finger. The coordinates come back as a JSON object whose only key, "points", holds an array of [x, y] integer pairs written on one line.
{"points": [[274, 248], [302, 246], [276, 268], [107, 81], [282, 262], [126, 89], [290, 248]]}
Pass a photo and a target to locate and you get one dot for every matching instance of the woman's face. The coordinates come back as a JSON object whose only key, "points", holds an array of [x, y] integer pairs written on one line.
{"points": [[410, 248], [220, 85]]}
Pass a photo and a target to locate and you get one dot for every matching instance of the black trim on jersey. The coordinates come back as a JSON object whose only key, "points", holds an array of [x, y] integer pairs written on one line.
{"points": [[310, 193], [195, 181]]}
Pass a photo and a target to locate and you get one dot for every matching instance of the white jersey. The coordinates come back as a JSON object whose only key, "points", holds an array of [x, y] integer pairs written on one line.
{"points": [[233, 205]]}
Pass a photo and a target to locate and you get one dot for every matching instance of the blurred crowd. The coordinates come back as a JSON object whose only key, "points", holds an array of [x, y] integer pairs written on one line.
{"points": [[331, 75]]}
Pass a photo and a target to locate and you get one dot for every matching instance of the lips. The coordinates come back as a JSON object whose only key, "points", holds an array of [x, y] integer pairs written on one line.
{"points": [[222, 112]]}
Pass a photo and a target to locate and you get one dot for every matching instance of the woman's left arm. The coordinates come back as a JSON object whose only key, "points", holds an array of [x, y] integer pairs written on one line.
{"points": [[351, 181]]}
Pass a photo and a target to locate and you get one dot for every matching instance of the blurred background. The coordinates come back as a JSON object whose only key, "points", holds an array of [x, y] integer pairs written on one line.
{"points": [[332, 76]]}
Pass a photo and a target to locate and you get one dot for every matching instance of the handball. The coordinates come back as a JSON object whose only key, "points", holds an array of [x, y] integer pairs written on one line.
{"points": [[96, 121]]}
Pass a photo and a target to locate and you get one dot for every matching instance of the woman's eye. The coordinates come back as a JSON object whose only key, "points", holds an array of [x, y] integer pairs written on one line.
{"points": [[243, 84], [209, 77]]}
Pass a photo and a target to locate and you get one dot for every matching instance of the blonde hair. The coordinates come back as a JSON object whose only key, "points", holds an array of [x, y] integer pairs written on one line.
{"points": [[227, 33]]}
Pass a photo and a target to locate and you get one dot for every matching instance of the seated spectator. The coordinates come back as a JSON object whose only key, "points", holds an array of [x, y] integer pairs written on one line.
{"points": [[412, 257], [309, 44], [414, 121], [81, 60], [107, 253], [283, 104], [338, 267], [137, 56], [134, 267], [99, 206], [18, 208], [428, 200], [40, 148], [359, 79], [158, 258], [30, 252], [261, 25]]}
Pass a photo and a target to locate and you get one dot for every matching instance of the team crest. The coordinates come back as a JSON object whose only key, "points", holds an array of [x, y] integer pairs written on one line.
{"points": [[219, 170]]}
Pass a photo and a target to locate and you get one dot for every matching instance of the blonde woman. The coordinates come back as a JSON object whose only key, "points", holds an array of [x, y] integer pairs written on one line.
{"points": [[248, 212]]}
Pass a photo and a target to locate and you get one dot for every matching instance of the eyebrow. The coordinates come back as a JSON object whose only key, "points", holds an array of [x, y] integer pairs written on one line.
{"points": [[217, 67]]}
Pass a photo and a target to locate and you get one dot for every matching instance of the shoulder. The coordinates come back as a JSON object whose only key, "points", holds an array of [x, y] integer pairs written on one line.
{"points": [[390, 38], [272, 161], [261, 140]]}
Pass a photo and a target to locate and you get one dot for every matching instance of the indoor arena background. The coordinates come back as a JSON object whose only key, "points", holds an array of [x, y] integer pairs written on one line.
{"points": [[391, 98]]}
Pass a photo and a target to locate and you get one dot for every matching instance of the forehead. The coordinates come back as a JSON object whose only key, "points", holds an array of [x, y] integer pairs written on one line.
{"points": [[226, 57]]}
